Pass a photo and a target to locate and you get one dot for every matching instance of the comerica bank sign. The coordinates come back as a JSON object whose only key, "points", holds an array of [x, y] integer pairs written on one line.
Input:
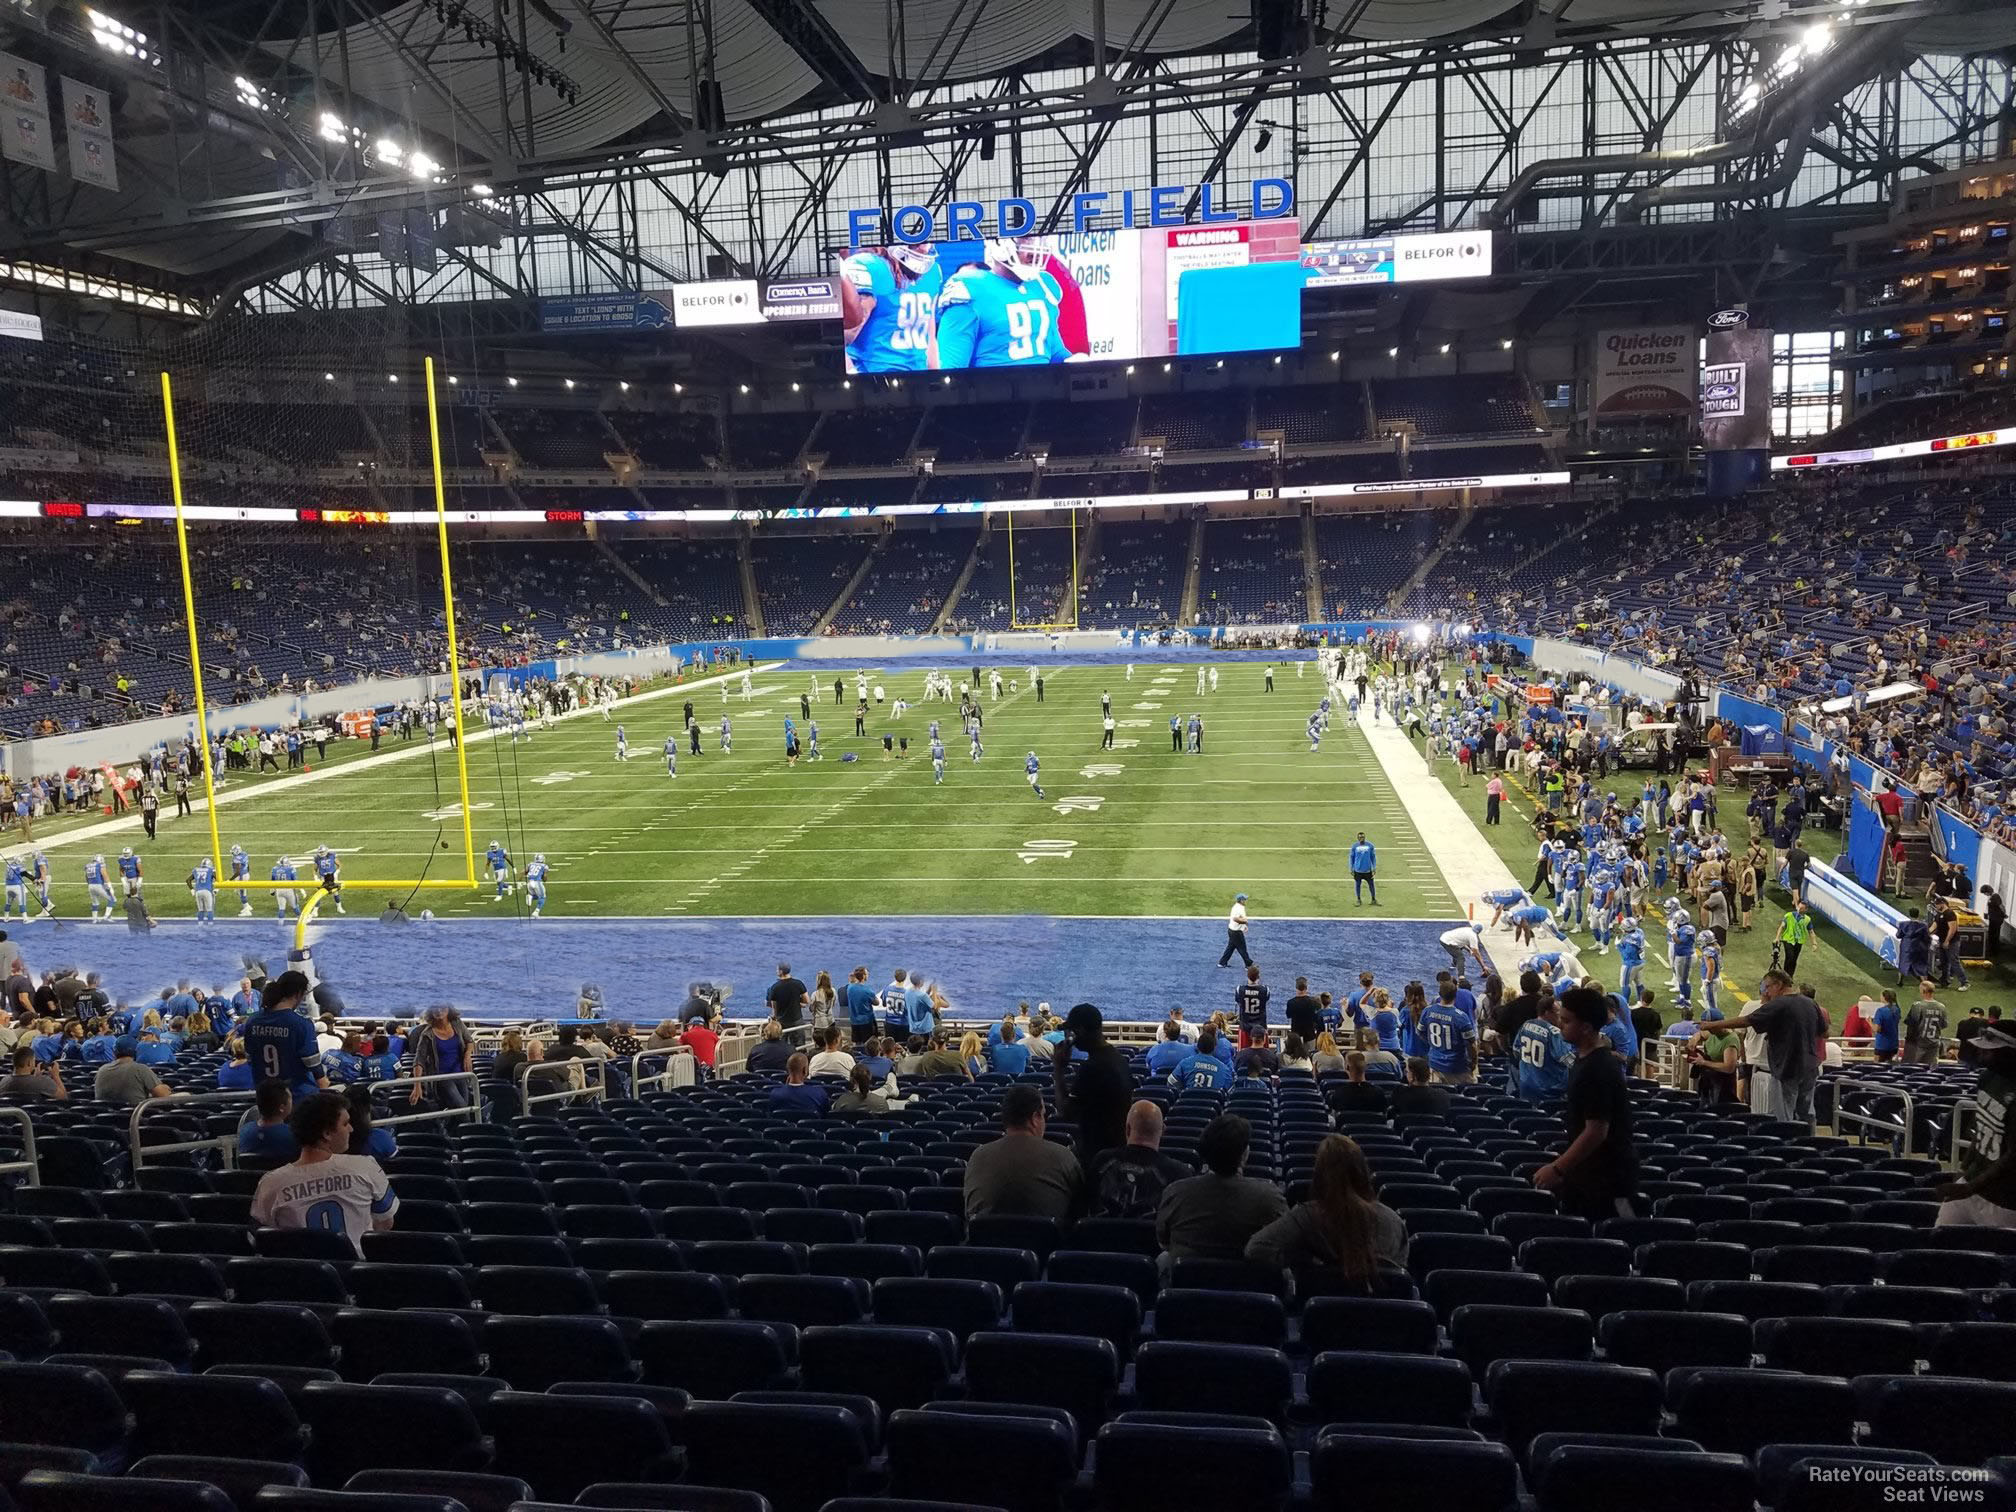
{"points": [[1162, 205]]}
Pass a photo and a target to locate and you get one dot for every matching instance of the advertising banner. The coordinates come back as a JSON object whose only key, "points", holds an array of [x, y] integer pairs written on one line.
{"points": [[1736, 390], [1643, 372]]}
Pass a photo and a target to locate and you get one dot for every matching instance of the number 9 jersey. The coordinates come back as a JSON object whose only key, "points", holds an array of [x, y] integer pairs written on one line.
{"points": [[986, 319], [896, 337]]}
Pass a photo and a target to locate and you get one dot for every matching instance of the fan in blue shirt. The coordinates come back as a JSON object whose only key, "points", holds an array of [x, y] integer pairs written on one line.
{"points": [[1165, 1055], [896, 291], [1203, 1070], [1002, 313], [1887, 1019], [279, 1040], [1008, 1055], [1543, 1058], [1449, 1035]]}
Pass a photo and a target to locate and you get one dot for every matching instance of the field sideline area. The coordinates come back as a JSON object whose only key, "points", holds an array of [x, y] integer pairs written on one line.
{"points": [[1112, 887], [1130, 832]]}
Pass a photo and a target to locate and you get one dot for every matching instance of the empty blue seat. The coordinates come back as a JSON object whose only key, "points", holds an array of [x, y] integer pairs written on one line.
{"points": [[1222, 1317], [63, 1491], [1077, 1374], [1985, 1351], [1030, 1461], [803, 1301], [1599, 1296], [359, 1428], [1839, 1346], [1555, 1258], [671, 1296], [1149, 1466], [260, 1333], [240, 1479], [541, 1440], [1802, 1477], [1740, 1411], [1662, 1341], [1428, 1253], [1758, 1299], [1447, 1290], [1039, 1236], [809, 1225], [1137, 1273], [1366, 1386], [1395, 1473], [1956, 1421], [1821, 1264], [536, 1290], [737, 1443], [1005, 1268], [533, 1353], [476, 1491], [378, 1341], [1967, 1269], [1481, 1334], [1246, 1379], [1601, 1478], [1909, 1304], [66, 1407], [1530, 1397], [1690, 1260], [867, 1263], [122, 1325], [226, 1416], [898, 1368], [960, 1307], [1382, 1324], [715, 1358]]}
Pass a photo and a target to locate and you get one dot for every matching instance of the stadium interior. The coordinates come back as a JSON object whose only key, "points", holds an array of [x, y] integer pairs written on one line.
{"points": [[1605, 408]]}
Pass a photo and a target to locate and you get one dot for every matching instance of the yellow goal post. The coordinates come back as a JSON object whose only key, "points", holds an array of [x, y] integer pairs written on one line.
{"points": [[468, 880], [1015, 620]]}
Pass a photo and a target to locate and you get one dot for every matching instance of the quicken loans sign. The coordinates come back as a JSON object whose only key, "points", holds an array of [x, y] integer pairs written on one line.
{"points": [[968, 220]]}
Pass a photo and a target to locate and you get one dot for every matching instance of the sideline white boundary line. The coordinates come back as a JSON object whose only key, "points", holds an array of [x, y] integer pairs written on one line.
{"points": [[104, 827]]}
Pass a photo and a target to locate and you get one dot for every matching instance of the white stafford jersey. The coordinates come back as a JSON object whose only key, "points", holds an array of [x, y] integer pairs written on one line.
{"points": [[340, 1195]]}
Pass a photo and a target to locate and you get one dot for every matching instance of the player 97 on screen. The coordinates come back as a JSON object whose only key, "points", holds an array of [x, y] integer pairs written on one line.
{"points": [[1096, 295]]}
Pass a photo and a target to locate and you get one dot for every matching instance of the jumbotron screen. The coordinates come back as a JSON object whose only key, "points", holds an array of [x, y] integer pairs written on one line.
{"points": [[1088, 296]]}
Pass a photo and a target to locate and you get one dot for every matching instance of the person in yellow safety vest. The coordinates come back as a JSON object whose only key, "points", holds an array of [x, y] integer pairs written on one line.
{"points": [[1793, 935], [1555, 787]]}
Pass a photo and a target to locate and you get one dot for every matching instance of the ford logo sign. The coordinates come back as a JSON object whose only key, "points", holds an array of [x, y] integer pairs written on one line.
{"points": [[1728, 320]]}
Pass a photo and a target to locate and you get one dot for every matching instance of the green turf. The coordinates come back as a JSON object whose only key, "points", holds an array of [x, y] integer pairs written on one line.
{"points": [[1840, 969], [746, 834]]}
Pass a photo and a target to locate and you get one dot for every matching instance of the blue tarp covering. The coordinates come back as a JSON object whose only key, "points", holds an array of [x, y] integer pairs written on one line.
{"points": [[1866, 837], [1746, 711], [1763, 740]]}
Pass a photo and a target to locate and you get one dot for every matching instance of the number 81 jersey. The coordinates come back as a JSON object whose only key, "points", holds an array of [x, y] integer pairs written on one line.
{"points": [[986, 319], [896, 338]]}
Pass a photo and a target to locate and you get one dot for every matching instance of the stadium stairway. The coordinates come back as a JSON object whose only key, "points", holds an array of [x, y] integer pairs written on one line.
{"points": [[959, 584], [1428, 563], [1193, 575]]}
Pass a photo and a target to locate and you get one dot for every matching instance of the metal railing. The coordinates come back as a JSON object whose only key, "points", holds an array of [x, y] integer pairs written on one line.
{"points": [[595, 1087], [471, 1110], [225, 1144], [1968, 1109], [1882, 1126], [28, 1165], [680, 1070]]}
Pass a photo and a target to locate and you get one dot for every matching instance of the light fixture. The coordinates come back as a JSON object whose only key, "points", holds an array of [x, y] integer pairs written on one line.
{"points": [[391, 377], [1445, 349], [512, 381], [1336, 356], [1264, 140], [333, 129], [794, 388], [328, 377], [947, 380], [1166, 366], [1392, 351], [1220, 362], [453, 380], [1277, 359], [1505, 345], [482, 191], [1130, 370], [678, 388], [570, 383], [624, 386], [388, 151], [422, 166], [745, 388], [846, 383]]}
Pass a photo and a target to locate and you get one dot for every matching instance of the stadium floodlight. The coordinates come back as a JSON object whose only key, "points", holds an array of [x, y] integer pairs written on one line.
{"points": [[1220, 362], [1505, 345], [333, 129], [1420, 632], [845, 383], [452, 379], [622, 385], [794, 388], [512, 381], [1445, 349], [677, 388], [250, 94], [946, 380], [1392, 351], [1130, 370], [1336, 356], [328, 377], [1277, 359], [1167, 365], [388, 151], [391, 377], [745, 388], [422, 166], [570, 385], [482, 191]]}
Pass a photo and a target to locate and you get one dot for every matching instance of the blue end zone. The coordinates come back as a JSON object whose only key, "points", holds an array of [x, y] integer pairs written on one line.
{"points": [[511, 968]]}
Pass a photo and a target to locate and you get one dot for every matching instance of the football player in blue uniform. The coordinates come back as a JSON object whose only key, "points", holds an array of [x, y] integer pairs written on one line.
{"points": [[1032, 767], [203, 884], [17, 891], [129, 873], [671, 755], [498, 860], [286, 900], [39, 877], [331, 872], [937, 760], [535, 883], [241, 871], [1003, 311], [889, 303], [98, 886]]}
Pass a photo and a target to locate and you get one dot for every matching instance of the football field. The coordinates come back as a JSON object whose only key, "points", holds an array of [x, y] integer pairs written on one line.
{"points": [[1138, 830]]}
